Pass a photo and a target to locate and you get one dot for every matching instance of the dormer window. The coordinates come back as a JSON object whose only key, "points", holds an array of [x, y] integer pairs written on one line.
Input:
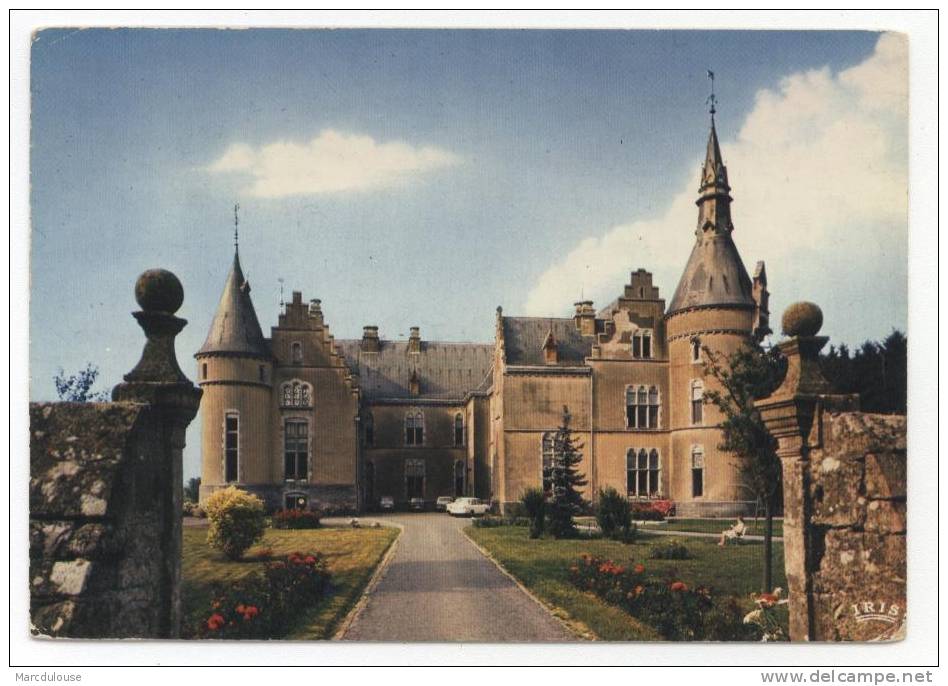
{"points": [[642, 344], [297, 352]]}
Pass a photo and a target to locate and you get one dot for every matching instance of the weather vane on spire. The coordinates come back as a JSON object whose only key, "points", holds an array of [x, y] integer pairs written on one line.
{"points": [[236, 222], [711, 99]]}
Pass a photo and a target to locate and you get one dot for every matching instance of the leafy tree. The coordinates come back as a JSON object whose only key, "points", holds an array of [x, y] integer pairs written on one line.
{"points": [[745, 375], [876, 371], [77, 388], [192, 490], [534, 503], [566, 501]]}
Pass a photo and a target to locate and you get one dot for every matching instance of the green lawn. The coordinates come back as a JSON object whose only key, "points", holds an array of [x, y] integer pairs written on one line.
{"points": [[352, 556], [713, 526], [542, 566]]}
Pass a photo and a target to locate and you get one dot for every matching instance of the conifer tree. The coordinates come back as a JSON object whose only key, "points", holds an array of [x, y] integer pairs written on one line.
{"points": [[566, 501]]}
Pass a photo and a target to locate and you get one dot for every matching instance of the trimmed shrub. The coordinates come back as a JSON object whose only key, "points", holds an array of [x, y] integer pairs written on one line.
{"points": [[295, 519], [533, 502], [614, 515], [237, 521], [670, 551]]}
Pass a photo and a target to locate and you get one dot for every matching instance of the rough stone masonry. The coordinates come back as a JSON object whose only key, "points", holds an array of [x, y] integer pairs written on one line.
{"points": [[106, 491]]}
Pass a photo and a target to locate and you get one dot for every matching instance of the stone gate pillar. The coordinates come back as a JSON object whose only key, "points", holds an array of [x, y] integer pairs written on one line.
{"points": [[158, 382]]}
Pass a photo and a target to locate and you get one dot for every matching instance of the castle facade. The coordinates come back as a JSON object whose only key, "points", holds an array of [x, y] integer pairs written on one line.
{"points": [[305, 420]]}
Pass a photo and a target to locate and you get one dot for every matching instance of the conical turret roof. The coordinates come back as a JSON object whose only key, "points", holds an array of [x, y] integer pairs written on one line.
{"points": [[715, 274], [235, 328]]}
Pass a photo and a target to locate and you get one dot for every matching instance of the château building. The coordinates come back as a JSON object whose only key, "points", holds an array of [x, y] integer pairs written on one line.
{"points": [[305, 420]]}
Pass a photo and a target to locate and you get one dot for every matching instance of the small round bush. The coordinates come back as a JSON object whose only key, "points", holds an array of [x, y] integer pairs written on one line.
{"points": [[614, 515], [237, 521]]}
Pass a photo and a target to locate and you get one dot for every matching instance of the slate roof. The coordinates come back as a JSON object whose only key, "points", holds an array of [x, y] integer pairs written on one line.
{"points": [[447, 371], [524, 337], [714, 275], [235, 328]]}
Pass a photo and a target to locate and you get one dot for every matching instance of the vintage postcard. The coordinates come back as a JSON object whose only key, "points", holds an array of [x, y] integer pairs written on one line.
{"points": [[468, 335]]}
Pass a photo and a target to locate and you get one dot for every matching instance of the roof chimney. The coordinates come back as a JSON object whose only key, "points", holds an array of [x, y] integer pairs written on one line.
{"points": [[370, 339], [414, 340], [585, 318]]}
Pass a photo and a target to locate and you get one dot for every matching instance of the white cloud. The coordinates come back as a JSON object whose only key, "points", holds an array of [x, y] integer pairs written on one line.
{"points": [[819, 172], [332, 162]]}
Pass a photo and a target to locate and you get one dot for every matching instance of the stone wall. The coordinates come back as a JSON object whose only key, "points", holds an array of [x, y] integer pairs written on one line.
{"points": [[97, 521], [106, 492], [857, 491]]}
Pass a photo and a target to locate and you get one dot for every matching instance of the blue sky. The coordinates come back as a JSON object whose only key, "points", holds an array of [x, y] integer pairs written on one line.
{"points": [[425, 177]]}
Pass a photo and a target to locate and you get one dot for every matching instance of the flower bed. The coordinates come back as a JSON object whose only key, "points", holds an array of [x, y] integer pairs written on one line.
{"points": [[652, 510], [676, 610], [263, 605], [295, 519]]}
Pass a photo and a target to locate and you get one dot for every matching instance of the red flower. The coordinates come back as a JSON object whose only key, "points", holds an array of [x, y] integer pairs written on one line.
{"points": [[215, 622], [678, 586], [639, 589], [639, 568], [310, 560]]}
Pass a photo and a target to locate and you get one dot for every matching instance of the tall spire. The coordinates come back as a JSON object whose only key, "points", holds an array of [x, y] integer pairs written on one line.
{"points": [[715, 276], [235, 328]]}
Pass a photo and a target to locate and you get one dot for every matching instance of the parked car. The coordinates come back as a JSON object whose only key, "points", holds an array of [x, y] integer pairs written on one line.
{"points": [[386, 502], [442, 502], [468, 507], [417, 503]]}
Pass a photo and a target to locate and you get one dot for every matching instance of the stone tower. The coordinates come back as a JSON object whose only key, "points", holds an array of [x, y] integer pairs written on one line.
{"points": [[235, 371], [718, 306]]}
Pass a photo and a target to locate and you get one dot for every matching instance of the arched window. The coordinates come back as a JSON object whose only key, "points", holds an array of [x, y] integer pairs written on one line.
{"points": [[641, 407], [697, 402], [263, 374], [643, 472], [697, 471], [695, 350], [414, 428], [546, 460], [642, 344], [369, 429], [204, 370], [414, 478], [296, 393], [458, 430], [295, 450], [297, 349]]}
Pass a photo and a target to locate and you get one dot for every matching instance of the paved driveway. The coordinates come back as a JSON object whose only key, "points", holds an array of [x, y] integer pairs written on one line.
{"points": [[438, 587]]}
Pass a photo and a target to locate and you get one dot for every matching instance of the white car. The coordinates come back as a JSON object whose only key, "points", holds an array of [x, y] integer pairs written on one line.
{"points": [[468, 507], [442, 502]]}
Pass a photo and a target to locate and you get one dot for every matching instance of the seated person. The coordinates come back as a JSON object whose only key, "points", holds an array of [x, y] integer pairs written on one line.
{"points": [[736, 531]]}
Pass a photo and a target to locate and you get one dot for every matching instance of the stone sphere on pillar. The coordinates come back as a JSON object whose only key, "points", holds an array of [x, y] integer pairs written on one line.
{"points": [[158, 290], [802, 319]]}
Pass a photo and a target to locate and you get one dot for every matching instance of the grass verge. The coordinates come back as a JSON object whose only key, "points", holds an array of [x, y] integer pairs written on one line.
{"points": [[352, 556]]}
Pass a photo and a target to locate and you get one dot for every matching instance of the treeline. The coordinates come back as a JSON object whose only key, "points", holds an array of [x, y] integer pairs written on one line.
{"points": [[876, 371]]}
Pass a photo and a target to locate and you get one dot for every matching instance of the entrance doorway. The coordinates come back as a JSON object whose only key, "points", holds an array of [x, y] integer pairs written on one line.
{"points": [[414, 478], [295, 501], [458, 478]]}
